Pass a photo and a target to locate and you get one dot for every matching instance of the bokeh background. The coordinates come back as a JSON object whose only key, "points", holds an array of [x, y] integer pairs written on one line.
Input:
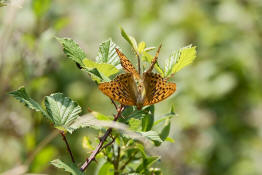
{"points": [[218, 100]]}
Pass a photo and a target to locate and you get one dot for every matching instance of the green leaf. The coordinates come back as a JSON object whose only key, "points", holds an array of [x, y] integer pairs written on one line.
{"points": [[40, 7], [148, 58], [101, 116], [153, 136], [62, 110], [129, 39], [141, 47], [135, 124], [165, 131], [86, 143], [72, 50], [106, 169], [147, 122], [105, 70], [23, 97], [169, 139], [148, 118], [71, 168], [180, 59], [107, 54], [147, 162]]}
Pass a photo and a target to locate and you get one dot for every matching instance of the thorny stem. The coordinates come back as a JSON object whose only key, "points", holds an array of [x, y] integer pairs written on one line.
{"points": [[67, 146], [102, 141]]}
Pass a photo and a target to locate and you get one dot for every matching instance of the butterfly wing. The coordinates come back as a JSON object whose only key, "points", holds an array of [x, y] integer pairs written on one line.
{"points": [[120, 89], [157, 88], [126, 64]]}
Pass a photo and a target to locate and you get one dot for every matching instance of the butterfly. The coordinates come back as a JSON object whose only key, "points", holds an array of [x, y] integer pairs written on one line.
{"points": [[133, 89]]}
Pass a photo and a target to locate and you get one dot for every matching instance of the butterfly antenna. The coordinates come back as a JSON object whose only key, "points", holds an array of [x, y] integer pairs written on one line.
{"points": [[154, 61]]}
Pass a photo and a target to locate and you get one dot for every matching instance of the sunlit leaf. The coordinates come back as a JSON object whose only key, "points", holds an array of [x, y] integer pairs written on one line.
{"points": [[62, 110], [23, 97], [87, 144], [141, 47], [135, 124], [180, 59], [68, 167], [169, 139], [104, 69], [129, 39], [107, 54]]}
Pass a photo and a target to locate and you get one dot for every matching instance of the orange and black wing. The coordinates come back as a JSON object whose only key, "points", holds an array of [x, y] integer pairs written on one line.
{"points": [[126, 64], [120, 89], [157, 88]]}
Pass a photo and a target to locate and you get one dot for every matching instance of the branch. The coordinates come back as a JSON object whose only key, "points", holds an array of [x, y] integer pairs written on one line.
{"points": [[67, 146], [102, 141]]}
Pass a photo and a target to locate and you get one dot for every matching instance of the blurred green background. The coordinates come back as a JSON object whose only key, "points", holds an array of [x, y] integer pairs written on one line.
{"points": [[218, 99]]}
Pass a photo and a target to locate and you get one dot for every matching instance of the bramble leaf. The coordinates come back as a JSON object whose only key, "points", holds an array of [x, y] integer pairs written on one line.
{"points": [[105, 70], [131, 40], [71, 168], [107, 54], [62, 110], [72, 50], [23, 97], [180, 59]]}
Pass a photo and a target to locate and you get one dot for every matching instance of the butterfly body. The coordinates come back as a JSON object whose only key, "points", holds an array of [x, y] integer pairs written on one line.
{"points": [[133, 89]]}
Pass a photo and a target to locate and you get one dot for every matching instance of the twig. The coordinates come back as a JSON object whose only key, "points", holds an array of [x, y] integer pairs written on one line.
{"points": [[128, 161], [108, 144], [102, 141], [67, 146]]}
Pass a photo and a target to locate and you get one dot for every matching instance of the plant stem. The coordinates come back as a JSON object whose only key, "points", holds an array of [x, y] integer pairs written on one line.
{"points": [[116, 161], [128, 161], [67, 146], [101, 143], [138, 63]]}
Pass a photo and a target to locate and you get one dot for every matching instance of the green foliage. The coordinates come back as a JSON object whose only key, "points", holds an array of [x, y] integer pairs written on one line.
{"points": [[40, 7], [106, 169], [131, 40], [132, 132], [23, 97], [180, 59], [62, 110], [72, 50], [71, 168], [107, 53]]}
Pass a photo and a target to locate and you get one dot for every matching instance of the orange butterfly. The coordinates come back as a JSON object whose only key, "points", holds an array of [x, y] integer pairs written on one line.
{"points": [[133, 89]]}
